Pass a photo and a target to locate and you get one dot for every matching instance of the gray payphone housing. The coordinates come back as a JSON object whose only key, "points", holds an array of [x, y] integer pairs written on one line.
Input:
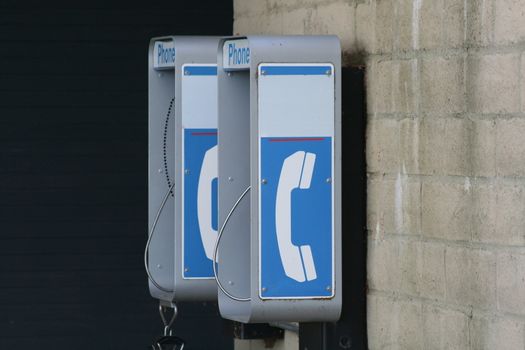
{"points": [[174, 96], [278, 94]]}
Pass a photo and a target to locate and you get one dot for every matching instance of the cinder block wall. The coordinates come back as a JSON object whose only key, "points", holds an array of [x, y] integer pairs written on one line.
{"points": [[446, 160]]}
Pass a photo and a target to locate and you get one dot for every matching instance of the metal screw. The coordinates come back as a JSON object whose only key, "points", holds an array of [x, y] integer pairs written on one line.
{"points": [[187, 171], [328, 287], [264, 181], [159, 75], [328, 180], [160, 170], [186, 72], [229, 74], [230, 283], [230, 179], [159, 266], [263, 72], [264, 289], [186, 269], [328, 72]]}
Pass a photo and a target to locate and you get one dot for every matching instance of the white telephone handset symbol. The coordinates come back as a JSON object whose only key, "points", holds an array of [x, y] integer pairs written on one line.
{"points": [[296, 172], [208, 173]]}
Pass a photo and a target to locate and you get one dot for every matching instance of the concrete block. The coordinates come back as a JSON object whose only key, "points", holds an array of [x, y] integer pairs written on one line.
{"points": [[249, 8], [268, 24], [365, 28], [394, 324], [510, 214], [393, 86], [480, 22], [290, 341], [510, 16], [375, 211], [444, 329], [394, 206], [379, 311], [393, 146], [493, 83], [442, 85], [404, 25], [333, 18], [274, 24], [404, 85], [496, 333], [445, 146], [510, 148], [511, 283], [241, 344], [483, 148], [522, 82], [393, 266], [289, 5], [409, 145], [454, 23], [446, 211], [379, 86], [430, 24], [295, 23], [384, 26], [484, 212], [499, 213], [470, 277], [432, 271], [441, 24], [382, 142]]}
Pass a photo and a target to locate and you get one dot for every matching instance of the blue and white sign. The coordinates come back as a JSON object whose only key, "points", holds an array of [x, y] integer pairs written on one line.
{"points": [[296, 218], [236, 54], [200, 201], [199, 158], [163, 54]]}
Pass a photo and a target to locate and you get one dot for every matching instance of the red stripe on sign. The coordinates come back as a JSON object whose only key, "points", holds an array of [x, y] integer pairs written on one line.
{"points": [[203, 133], [298, 139]]}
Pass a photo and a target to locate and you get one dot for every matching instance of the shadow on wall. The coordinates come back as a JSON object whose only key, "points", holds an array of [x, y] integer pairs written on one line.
{"points": [[356, 57]]}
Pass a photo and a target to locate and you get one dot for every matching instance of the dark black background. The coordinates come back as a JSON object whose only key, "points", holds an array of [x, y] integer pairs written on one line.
{"points": [[73, 172]]}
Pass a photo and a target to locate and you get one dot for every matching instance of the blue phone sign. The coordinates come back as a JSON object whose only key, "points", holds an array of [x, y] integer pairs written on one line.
{"points": [[296, 236], [200, 201]]}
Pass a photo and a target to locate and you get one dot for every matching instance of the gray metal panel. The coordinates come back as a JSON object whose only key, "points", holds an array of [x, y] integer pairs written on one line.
{"points": [[234, 177], [232, 112], [160, 92], [166, 245], [188, 50]]}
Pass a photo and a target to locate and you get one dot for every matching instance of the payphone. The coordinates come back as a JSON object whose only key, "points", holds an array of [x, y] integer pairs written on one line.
{"points": [[182, 185], [279, 243]]}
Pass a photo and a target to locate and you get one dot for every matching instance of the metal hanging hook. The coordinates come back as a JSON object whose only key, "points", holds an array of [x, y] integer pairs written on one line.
{"points": [[167, 325]]}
